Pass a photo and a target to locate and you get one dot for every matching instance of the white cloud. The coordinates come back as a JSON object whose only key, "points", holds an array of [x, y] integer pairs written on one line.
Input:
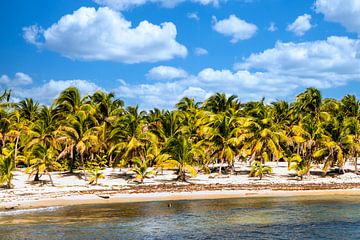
{"points": [[247, 85], [48, 91], [275, 73], [272, 27], [301, 25], [330, 62], [103, 34], [19, 79], [166, 73], [345, 12], [193, 15], [126, 4], [200, 51], [234, 27]]}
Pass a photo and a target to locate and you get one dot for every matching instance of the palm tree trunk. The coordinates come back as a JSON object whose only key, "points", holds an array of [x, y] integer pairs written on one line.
{"points": [[72, 159], [356, 162], [83, 165], [110, 160], [51, 181], [182, 175], [221, 163], [37, 178], [15, 153]]}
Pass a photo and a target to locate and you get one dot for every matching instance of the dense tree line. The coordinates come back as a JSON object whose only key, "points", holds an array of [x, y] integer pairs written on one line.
{"points": [[95, 131]]}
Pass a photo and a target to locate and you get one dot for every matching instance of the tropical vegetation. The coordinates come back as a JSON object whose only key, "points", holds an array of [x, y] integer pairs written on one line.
{"points": [[96, 131]]}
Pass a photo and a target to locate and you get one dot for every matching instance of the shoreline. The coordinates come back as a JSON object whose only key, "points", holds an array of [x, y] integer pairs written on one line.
{"points": [[108, 196]]}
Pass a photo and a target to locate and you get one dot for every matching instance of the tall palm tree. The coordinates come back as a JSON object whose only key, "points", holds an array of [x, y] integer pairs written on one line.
{"points": [[219, 102], [262, 136], [223, 133], [81, 134], [29, 110]]}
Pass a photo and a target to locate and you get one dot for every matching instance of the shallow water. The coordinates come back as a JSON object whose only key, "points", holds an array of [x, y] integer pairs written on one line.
{"points": [[315, 217]]}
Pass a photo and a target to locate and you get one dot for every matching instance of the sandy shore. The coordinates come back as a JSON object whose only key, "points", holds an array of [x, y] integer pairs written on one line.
{"points": [[167, 196], [118, 187]]}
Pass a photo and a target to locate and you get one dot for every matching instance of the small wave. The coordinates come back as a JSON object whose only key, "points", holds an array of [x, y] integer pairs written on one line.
{"points": [[26, 211]]}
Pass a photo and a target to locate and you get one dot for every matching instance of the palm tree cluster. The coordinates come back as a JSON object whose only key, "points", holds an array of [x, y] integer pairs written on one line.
{"points": [[95, 131]]}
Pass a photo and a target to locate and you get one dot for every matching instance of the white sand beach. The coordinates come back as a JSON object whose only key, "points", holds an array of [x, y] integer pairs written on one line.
{"points": [[118, 186]]}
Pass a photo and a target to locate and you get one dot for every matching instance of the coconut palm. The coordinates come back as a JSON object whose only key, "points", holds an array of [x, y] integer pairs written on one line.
{"points": [[219, 102], [261, 136], [141, 170], [259, 170], [95, 176], [6, 166], [224, 131], [80, 135], [300, 165], [180, 154], [42, 161]]}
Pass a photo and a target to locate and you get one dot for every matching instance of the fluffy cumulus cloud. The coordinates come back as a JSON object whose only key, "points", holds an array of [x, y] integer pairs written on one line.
{"points": [[48, 91], [325, 63], [247, 85], [166, 73], [235, 28], [127, 4], [274, 73], [19, 79], [301, 25], [345, 12], [104, 34], [22, 87]]}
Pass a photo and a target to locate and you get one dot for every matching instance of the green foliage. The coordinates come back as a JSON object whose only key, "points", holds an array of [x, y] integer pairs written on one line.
{"points": [[96, 131], [300, 165], [259, 170], [95, 176], [6, 166], [142, 170]]}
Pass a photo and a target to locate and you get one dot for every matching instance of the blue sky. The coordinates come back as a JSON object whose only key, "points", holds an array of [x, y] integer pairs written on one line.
{"points": [[153, 52]]}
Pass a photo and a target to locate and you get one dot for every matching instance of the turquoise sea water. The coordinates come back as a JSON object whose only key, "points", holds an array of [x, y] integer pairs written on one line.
{"points": [[321, 217]]}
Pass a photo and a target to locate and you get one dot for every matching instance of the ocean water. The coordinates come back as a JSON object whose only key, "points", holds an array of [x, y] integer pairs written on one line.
{"points": [[315, 217]]}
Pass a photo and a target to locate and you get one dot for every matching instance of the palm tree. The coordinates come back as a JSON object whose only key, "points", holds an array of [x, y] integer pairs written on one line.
{"points": [[259, 170], [28, 109], [300, 165], [223, 133], [350, 107], [180, 154], [43, 161], [95, 176], [69, 101], [6, 166], [219, 102], [187, 104], [261, 136], [141, 170], [80, 134]]}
